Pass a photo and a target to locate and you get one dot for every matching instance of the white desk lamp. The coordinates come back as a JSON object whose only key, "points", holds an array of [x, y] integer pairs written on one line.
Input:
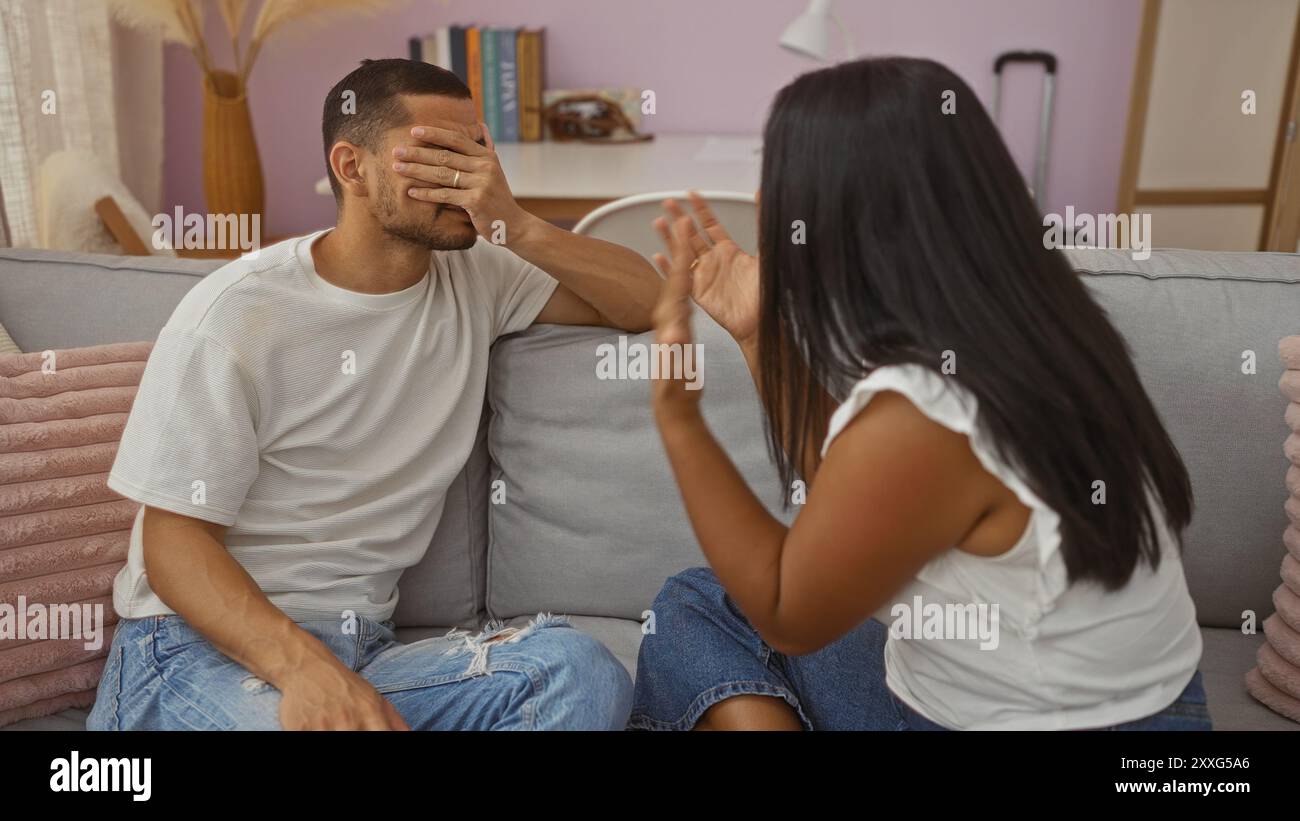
{"points": [[810, 33]]}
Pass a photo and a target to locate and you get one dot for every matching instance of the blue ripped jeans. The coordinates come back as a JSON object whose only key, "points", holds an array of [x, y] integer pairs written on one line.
{"points": [[161, 674], [704, 651]]}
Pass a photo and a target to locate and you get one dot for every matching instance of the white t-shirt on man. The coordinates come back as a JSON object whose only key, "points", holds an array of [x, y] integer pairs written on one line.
{"points": [[322, 425]]}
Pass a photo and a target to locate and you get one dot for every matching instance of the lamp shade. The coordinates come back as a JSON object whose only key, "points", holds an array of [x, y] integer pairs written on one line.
{"points": [[810, 33]]}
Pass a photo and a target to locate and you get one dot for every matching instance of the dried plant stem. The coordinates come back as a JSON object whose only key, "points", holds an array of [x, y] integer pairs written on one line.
{"points": [[247, 66], [190, 22], [232, 12], [276, 14], [182, 21]]}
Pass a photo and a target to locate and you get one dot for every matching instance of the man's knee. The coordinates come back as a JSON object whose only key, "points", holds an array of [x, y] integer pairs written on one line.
{"points": [[220, 700], [585, 688]]}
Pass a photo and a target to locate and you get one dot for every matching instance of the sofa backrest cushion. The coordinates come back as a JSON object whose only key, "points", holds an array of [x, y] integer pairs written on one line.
{"points": [[64, 299], [591, 522], [1196, 322]]}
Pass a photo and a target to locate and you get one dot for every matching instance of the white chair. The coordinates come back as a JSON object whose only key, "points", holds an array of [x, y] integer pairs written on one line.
{"points": [[629, 221]]}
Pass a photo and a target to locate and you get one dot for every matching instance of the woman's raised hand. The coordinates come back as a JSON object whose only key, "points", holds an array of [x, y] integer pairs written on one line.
{"points": [[674, 399], [724, 278]]}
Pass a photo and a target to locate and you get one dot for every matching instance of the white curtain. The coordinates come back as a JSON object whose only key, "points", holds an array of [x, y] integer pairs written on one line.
{"points": [[70, 79]]}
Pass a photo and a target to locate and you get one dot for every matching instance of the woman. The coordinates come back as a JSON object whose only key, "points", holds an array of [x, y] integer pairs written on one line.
{"points": [[995, 482]]}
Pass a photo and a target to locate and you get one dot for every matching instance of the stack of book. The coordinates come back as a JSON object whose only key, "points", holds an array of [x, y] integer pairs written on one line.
{"points": [[504, 69]]}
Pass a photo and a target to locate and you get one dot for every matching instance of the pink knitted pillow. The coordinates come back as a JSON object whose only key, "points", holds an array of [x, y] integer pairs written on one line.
{"points": [[63, 533], [1275, 680]]}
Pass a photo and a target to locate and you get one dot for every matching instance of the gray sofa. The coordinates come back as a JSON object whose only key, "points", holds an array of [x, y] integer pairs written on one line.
{"points": [[590, 524]]}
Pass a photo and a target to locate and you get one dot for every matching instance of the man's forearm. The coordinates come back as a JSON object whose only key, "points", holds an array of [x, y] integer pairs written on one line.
{"points": [[193, 573], [615, 281]]}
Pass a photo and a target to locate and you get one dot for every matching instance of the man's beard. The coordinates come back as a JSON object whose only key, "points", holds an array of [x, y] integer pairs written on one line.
{"points": [[422, 232]]}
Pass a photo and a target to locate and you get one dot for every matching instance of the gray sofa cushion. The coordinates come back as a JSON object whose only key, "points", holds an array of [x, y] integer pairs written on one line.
{"points": [[593, 523], [60, 299], [56, 299], [1188, 316], [1226, 657]]}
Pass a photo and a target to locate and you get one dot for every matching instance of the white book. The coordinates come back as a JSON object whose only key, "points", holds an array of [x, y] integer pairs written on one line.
{"points": [[442, 37]]}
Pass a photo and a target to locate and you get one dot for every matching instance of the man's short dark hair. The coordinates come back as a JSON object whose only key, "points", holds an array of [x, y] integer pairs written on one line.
{"points": [[375, 104]]}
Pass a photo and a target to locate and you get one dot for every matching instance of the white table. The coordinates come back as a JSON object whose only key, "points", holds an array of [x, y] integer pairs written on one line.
{"points": [[562, 181]]}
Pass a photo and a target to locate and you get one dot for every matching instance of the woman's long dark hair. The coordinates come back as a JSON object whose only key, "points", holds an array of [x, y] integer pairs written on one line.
{"points": [[921, 238]]}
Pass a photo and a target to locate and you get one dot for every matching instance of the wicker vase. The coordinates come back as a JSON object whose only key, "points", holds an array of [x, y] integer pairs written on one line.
{"points": [[232, 172]]}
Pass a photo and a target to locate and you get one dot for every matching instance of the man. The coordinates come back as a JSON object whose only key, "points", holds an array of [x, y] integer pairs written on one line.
{"points": [[299, 422]]}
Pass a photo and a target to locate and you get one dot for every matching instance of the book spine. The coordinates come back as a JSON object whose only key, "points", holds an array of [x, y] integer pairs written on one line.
{"points": [[458, 62], [524, 59], [474, 60], [443, 39], [535, 82], [413, 49], [508, 63], [488, 65], [429, 50], [539, 81], [491, 83]]}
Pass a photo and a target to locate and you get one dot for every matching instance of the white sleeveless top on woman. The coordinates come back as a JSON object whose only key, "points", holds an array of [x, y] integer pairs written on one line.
{"points": [[1066, 656]]}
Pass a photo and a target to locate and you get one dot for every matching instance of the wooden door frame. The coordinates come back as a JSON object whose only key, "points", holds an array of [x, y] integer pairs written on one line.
{"points": [[1281, 226], [1280, 222], [1138, 102]]}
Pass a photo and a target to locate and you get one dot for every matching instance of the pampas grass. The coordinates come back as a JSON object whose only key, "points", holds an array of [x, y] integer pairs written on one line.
{"points": [[181, 21], [178, 21], [152, 15], [232, 14], [275, 14]]}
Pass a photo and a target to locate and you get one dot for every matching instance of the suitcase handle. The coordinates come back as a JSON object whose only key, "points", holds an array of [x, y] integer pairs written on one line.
{"points": [[1046, 58], [1048, 61]]}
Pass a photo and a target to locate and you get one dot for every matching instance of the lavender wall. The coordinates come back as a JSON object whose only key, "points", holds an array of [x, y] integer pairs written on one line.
{"points": [[714, 65]]}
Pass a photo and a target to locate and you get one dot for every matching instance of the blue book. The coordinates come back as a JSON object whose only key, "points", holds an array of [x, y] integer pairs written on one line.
{"points": [[508, 72], [491, 82]]}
